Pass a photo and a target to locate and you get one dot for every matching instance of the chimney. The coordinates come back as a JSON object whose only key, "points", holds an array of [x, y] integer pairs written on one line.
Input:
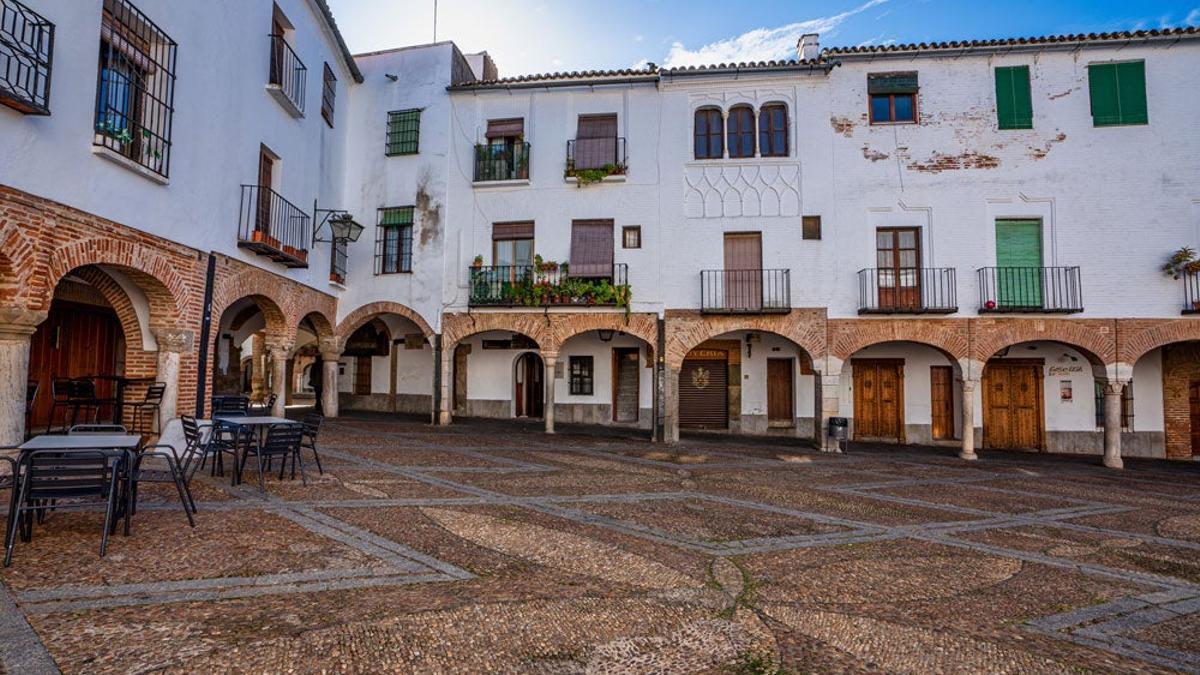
{"points": [[810, 47]]}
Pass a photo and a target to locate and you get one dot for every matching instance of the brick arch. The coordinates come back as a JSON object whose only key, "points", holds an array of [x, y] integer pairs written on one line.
{"points": [[457, 327], [18, 262], [356, 319], [1094, 338], [688, 329], [320, 323], [1138, 338], [264, 289], [847, 337], [153, 273], [643, 326]]}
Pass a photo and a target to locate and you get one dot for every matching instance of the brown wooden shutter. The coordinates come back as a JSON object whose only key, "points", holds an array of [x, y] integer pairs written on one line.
{"points": [[703, 395], [510, 128], [507, 231], [591, 248], [596, 141]]}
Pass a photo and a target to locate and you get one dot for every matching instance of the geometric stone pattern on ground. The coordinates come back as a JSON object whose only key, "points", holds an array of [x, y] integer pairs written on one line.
{"points": [[488, 547]]}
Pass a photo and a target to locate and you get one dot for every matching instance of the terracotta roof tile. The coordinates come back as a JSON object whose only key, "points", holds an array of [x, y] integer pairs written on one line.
{"points": [[1011, 42]]}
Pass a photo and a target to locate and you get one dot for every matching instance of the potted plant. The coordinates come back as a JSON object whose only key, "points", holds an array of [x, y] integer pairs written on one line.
{"points": [[1183, 263], [477, 262]]}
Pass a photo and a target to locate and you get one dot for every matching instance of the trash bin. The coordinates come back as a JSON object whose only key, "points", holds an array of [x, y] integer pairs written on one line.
{"points": [[839, 428]]}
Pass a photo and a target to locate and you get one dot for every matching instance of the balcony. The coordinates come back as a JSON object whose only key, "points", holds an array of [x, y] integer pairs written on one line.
{"points": [[501, 162], [925, 290], [1042, 290], [287, 77], [547, 285], [592, 160], [26, 51], [1191, 293], [745, 291], [272, 226]]}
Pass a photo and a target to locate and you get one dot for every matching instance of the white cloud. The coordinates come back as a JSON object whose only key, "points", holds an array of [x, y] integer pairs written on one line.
{"points": [[1193, 18], [761, 44]]}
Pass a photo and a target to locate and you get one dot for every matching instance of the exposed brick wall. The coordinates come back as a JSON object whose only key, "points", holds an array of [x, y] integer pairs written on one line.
{"points": [[847, 336], [355, 320], [688, 328], [548, 330], [1181, 366]]}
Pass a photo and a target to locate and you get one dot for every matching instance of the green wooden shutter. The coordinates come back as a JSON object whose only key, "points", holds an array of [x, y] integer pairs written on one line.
{"points": [[1014, 102], [1019, 263], [1118, 93], [1131, 88], [1106, 106]]}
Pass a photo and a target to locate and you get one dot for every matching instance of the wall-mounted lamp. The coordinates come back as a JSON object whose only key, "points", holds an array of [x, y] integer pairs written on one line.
{"points": [[391, 76], [606, 335]]}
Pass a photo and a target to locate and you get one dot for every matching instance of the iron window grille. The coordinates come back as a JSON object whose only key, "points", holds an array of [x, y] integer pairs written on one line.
{"points": [[26, 52], [328, 95], [393, 240], [135, 88], [582, 375], [403, 132], [631, 236]]}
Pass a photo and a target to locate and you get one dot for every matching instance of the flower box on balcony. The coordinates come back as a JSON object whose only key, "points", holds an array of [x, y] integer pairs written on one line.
{"points": [[261, 237]]}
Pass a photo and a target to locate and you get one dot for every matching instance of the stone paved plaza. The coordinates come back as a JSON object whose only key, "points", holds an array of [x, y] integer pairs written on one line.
{"points": [[490, 547]]}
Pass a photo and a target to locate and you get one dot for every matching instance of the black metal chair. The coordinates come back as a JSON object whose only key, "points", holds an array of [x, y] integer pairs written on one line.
{"points": [[75, 479], [113, 429], [81, 395], [60, 397], [310, 427], [266, 406], [163, 468], [282, 441], [228, 438], [151, 402], [11, 482], [230, 405], [31, 392]]}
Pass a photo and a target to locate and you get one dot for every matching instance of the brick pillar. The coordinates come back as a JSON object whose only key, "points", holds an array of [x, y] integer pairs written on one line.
{"points": [[968, 419], [548, 361], [171, 345], [1112, 424], [670, 404], [258, 368], [16, 328], [278, 354], [331, 354]]}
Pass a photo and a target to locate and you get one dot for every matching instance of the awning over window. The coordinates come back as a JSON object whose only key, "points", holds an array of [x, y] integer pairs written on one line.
{"points": [[507, 231], [892, 83], [509, 128], [592, 248]]}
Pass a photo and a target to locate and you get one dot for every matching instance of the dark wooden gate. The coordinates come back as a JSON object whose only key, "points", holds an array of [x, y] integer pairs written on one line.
{"points": [[704, 394]]}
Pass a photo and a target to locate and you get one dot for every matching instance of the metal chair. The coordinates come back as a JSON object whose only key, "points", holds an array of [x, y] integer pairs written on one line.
{"points": [[60, 397], [11, 482], [231, 439], [230, 405], [310, 427], [152, 401], [282, 441], [266, 406], [31, 392], [76, 479], [113, 429], [171, 473], [81, 395]]}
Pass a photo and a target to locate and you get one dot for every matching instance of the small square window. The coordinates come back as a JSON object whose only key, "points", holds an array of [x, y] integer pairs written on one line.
{"points": [[811, 226], [631, 236], [581, 375], [893, 97]]}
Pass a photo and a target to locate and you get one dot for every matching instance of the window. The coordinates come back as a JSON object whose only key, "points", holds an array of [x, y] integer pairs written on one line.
{"points": [[592, 248], [403, 132], [1014, 103], [893, 97], [136, 87], [328, 94], [288, 75], [811, 226], [512, 244], [1126, 406], [773, 130], [505, 155], [1118, 93], [595, 145], [393, 240], [631, 236], [709, 134], [581, 375], [741, 131], [26, 55]]}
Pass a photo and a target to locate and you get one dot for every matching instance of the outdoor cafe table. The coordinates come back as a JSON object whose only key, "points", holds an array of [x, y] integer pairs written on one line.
{"points": [[256, 422], [126, 444]]}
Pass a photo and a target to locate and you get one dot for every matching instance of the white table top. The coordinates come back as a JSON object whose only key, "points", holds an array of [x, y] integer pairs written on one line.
{"points": [[251, 420], [82, 441]]}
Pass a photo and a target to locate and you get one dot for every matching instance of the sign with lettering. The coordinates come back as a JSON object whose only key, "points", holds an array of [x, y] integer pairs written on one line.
{"points": [[1059, 371]]}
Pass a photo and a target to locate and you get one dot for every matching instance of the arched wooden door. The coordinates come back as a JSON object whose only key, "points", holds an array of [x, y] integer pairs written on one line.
{"points": [[529, 390]]}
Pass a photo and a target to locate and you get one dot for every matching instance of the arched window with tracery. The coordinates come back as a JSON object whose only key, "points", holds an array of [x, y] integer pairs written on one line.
{"points": [[773, 130], [740, 130], [709, 134]]}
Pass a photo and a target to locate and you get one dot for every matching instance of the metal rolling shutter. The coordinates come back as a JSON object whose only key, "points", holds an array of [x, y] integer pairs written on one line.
{"points": [[703, 395]]}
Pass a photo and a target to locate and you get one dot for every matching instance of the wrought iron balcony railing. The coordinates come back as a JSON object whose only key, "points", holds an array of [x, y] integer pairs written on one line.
{"points": [[1050, 290], [501, 162], [272, 226], [288, 74], [596, 154], [547, 285], [26, 53], [1191, 294], [745, 291], [924, 290]]}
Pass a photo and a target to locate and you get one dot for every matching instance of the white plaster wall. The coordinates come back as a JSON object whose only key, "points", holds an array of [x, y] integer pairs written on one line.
{"points": [[918, 359], [1079, 414], [754, 373], [490, 372], [602, 374], [1148, 393]]}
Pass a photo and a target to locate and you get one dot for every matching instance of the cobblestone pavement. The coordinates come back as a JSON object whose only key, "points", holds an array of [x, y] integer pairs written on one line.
{"points": [[489, 547]]}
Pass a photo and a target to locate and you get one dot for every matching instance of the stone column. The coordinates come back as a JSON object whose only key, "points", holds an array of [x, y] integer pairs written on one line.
{"points": [[279, 354], [968, 419], [548, 360], [171, 345], [331, 354], [829, 403], [258, 367], [1112, 424], [670, 404], [17, 326], [445, 413]]}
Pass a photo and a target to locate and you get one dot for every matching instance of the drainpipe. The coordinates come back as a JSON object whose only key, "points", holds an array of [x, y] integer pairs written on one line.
{"points": [[205, 330]]}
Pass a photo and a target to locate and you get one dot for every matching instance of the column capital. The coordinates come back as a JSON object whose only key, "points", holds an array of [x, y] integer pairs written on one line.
{"points": [[331, 347], [1113, 386], [549, 356], [17, 323], [969, 385], [279, 350], [174, 340]]}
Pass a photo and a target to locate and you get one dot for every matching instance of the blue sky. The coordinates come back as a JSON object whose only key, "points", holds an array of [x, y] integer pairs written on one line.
{"points": [[528, 36]]}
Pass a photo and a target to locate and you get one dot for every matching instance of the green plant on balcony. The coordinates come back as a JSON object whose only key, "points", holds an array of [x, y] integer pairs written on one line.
{"points": [[1182, 263], [588, 176], [550, 284]]}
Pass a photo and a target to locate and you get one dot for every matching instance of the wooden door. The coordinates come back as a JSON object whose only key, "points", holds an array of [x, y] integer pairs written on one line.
{"points": [[529, 392], [898, 258], [266, 174], [626, 384], [743, 271], [941, 401], [1194, 401], [277, 53], [781, 406], [75, 340], [878, 399], [362, 375], [1013, 417], [1019, 263], [704, 394]]}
